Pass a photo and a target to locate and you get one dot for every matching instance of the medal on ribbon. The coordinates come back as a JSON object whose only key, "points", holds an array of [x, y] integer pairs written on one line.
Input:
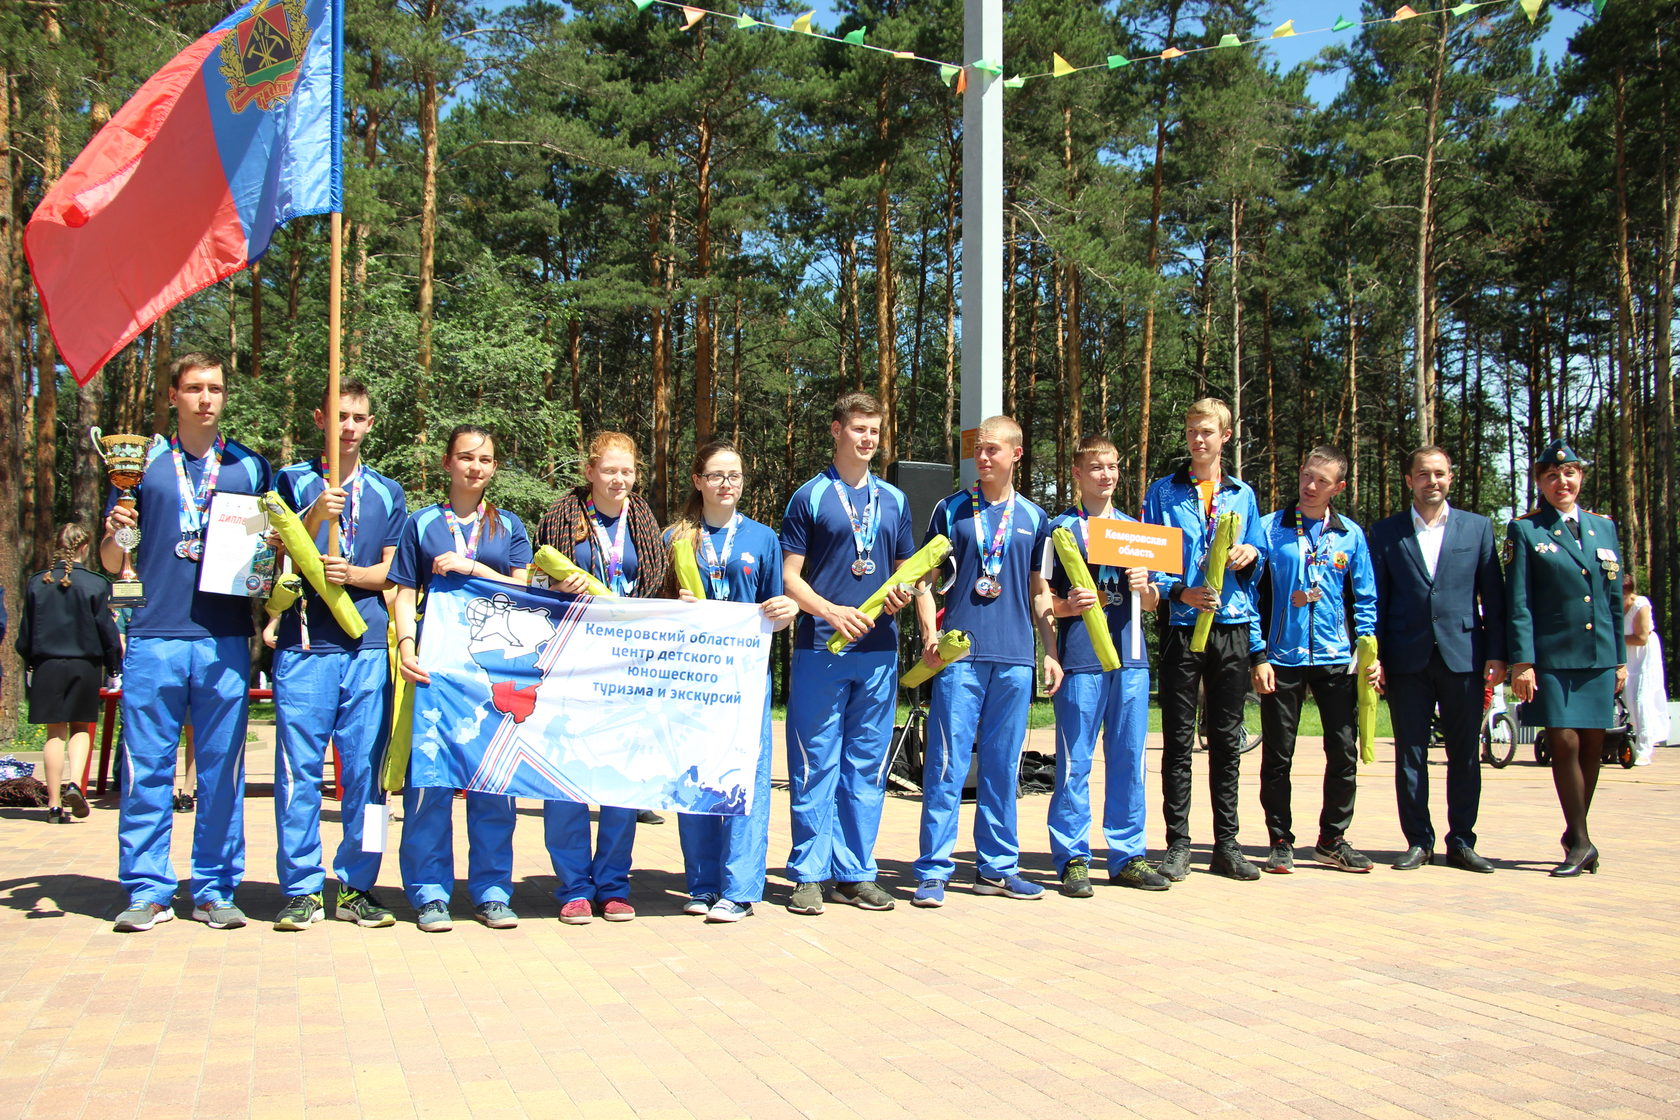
{"points": [[990, 585]]}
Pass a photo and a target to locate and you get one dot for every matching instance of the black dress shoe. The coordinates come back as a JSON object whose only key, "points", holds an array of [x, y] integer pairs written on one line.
{"points": [[1465, 858], [1416, 856], [1576, 862]]}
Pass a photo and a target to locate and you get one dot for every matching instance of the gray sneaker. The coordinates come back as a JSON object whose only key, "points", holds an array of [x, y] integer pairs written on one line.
{"points": [[1137, 873], [496, 915], [699, 904], [218, 914], [1228, 860], [863, 895], [1175, 868], [807, 898], [433, 917], [1338, 853], [1281, 861], [142, 916], [1076, 878]]}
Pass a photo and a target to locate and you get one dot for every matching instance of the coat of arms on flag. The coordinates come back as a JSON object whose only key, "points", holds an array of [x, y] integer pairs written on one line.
{"points": [[263, 53]]}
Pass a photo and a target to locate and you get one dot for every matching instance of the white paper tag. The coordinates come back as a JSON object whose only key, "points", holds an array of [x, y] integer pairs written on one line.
{"points": [[1136, 626], [375, 820]]}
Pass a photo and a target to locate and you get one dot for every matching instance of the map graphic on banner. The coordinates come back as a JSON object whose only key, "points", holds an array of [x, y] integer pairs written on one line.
{"points": [[640, 703]]}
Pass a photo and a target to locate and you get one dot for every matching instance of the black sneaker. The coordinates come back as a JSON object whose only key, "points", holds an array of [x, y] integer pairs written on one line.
{"points": [[1137, 873], [363, 909], [1338, 853], [74, 799], [1281, 861], [300, 912], [1229, 861], [1076, 878], [1175, 868], [648, 816]]}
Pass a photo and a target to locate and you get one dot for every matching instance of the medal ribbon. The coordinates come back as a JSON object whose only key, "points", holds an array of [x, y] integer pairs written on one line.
{"points": [[195, 504], [865, 527], [1106, 573], [1309, 548], [465, 546], [609, 553], [991, 555], [717, 566], [352, 510]]}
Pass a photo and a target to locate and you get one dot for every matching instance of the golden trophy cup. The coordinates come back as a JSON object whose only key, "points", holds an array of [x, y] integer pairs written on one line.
{"points": [[125, 466]]}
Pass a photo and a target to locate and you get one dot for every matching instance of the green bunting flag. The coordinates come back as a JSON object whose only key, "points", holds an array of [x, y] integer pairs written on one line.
{"points": [[643, 5], [1116, 61], [855, 38], [987, 66], [1598, 8], [1228, 41], [744, 21], [1342, 24], [1014, 83], [948, 73], [1463, 9]]}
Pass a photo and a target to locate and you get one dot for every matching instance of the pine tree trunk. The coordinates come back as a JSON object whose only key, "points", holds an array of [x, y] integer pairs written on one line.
{"points": [[1236, 338], [163, 356], [1424, 389], [948, 435], [11, 400], [1626, 510], [46, 354], [886, 312], [704, 365], [1152, 262], [428, 242]]}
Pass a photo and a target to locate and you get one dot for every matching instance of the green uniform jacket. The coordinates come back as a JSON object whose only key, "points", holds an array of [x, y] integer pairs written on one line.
{"points": [[1564, 596]]}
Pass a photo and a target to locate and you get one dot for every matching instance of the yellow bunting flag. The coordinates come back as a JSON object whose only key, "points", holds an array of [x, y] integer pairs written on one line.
{"points": [[744, 22], [1531, 8], [904, 54], [1171, 53], [1228, 41], [1116, 61], [855, 37], [1284, 29], [1342, 24], [803, 23], [692, 16], [1405, 12], [1059, 66]]}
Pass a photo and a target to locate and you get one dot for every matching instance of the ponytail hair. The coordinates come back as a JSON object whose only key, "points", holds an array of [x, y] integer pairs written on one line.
{"points": [[67, 542], [492, 516], [689, 521]]}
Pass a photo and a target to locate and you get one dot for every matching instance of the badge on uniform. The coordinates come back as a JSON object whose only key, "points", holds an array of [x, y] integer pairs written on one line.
{"points": [[1545, 546], [1608, 560], [1510, 551]]}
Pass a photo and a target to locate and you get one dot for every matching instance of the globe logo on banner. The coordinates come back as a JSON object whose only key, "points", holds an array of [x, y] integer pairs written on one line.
{"points": [[262, 54]]}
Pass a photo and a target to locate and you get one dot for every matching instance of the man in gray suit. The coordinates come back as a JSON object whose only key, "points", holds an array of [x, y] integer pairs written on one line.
{"points": [[1441, 638]]}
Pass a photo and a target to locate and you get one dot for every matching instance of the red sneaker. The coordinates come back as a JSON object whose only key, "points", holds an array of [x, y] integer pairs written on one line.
{"points": [[577, 912], [618, 910]]}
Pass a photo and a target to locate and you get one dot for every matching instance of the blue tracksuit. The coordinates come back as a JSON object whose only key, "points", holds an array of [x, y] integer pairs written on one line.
{"points": [[1116, 701], [724, 856], [987, 693], [427, 851], [1174, 500], [330, 688], [1328, 555], [188, 660], [841, 706]]}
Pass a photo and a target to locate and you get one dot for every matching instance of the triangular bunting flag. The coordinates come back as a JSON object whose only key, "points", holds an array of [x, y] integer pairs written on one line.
{"points": [[1342, 24], [643, 5], [1405, 12], [1463, 9], [744, 22], [962, 81], [1598, 7], [1284, 29], [1115, 61], [1059, 66], [692, 16], [1014, 83], [803, 23], [987, 66], [855, 38], [1532, 9], [904, 54], [1171, 53], [948, 73], [1228, 41]]}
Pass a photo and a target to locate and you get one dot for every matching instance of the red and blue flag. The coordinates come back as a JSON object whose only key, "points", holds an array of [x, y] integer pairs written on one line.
{"points": [[186, 184]]}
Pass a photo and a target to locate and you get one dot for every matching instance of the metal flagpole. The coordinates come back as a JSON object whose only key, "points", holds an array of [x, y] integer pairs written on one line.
{"points": [[982, 226]]}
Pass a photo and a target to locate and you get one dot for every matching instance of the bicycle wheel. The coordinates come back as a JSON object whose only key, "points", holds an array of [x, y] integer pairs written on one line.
{"points": [[1499, 739], [1542, 752]]}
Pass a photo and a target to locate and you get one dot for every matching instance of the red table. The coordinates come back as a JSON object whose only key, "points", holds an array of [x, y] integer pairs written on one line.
{"points": [[111, 696]]}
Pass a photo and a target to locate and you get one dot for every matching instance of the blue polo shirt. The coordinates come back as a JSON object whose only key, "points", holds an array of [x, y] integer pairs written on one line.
{"points": [[817, 528], [753, 572], [1001, 628], [427, 536], [1073, 640], [174, 606], [379, 519], [589, 556]]}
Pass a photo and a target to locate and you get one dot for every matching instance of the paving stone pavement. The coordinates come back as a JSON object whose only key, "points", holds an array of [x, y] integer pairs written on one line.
{"points": [[1434, 993]]}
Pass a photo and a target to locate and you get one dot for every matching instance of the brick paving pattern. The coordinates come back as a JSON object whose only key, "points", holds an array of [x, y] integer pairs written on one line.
{"points": [[1434, 993]]}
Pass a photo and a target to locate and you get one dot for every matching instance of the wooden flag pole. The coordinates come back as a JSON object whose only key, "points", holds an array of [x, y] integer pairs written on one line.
{"points": [[335, 298]]}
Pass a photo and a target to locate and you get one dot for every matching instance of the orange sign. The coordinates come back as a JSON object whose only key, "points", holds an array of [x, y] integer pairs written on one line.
{"points": [[1136, 544], [968, 437]]}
